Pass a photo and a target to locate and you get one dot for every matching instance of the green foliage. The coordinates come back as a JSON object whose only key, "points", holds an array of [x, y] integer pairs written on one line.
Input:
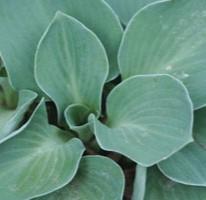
{"points": [[87, 108]]}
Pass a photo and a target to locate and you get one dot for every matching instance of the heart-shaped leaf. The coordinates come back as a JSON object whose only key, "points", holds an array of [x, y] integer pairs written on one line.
{"points": [[23, 22], [39, 160], [148, 119], [13, 109], [77, 66], [127, 8], [158, 187], [168, 37], [188, 165], [98, 178]]}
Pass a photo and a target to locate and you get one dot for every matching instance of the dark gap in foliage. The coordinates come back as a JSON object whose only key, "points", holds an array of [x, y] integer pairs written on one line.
{"points": [[123, 26], [28, 113], [129, 177], [52, 113], [129, 168], [107, 89], [3, 72]]}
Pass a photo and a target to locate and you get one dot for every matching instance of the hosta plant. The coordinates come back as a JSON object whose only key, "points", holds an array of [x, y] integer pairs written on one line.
{"points": [[102, 100]]}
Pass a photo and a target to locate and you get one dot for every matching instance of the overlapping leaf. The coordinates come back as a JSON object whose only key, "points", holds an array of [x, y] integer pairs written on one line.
{"points": [[148, 119], [77, 66], [127, 8], [98, 178], [39, 160], [23, 22], [168, 37], [13, 109], [158, 187], [188, 165]]}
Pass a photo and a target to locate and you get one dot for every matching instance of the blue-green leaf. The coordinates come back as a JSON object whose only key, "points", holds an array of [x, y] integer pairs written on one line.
{"points": [[127, 8], [188, 165], [77, 67], [98, 178], [13, 108], [23, 22], [168, 37], [158, 187], [39, 160], [148, 119]]}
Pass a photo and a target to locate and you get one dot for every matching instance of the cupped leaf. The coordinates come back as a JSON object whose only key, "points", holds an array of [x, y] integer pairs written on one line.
{"points": [[39, 160], [76, 117], [188, 165], [148, 119], [13, 108], [77, 66], [127, 8], [98, 178], [163, 38], [23, 22], [159, 187]]}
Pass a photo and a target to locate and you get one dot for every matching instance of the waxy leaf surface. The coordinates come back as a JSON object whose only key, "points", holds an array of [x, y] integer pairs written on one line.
{"points": [[23, 22], [39, 160], [148, 119], [168, 37], [97, 178], [77, 66], [188, 165], [158, 187]]}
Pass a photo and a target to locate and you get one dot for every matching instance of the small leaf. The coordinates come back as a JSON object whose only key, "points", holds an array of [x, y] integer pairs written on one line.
{"points": [[163, 38], [23, 22], [76, 117], [188, 165], [148, 119], [159, 187], [98, 178], [127, 8], [39, 160], [71, 75]]}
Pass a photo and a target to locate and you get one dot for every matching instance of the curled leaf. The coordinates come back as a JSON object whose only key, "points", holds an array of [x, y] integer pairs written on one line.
{"points": [[148, 119], [76, 116]]}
